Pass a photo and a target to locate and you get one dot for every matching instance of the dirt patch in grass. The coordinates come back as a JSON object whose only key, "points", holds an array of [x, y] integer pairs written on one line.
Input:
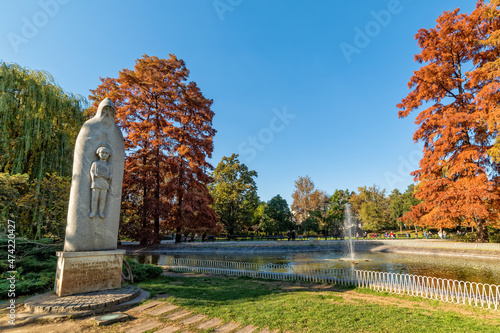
{"points": [[53, 326]]}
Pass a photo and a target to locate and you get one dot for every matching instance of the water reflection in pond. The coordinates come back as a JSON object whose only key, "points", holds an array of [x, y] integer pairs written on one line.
{"points": [[450, 267]]}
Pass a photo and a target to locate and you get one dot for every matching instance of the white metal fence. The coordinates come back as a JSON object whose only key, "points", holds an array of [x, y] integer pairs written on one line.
{"points": [[453, 291]]}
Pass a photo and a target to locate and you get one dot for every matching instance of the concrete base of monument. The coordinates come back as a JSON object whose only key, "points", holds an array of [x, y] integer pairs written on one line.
{"points": [[88, 271], [50, 306]]}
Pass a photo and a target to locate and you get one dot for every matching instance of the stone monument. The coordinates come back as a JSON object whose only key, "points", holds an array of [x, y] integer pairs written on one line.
{"points": [[90, 260]]}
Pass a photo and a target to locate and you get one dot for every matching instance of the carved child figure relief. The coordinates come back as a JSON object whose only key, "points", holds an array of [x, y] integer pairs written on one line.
{"points": [[100, 174]]}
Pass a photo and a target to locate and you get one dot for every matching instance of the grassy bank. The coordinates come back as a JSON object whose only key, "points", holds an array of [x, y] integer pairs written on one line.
{"points": [[298, 307]]}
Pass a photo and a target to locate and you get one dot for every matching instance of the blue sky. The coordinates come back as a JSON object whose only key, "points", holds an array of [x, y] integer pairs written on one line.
{"points": [[299, 87]]}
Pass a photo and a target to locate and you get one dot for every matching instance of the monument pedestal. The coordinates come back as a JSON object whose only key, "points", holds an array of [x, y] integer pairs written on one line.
{"points": [[81, 272]]}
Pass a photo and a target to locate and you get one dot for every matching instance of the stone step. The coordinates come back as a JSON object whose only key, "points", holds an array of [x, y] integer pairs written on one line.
{"points": [[226, 328], [145, 306], [209, 324], [178, 315], [144, 327], [194, 319], [168, 329], [162, 309], [247, 329]]}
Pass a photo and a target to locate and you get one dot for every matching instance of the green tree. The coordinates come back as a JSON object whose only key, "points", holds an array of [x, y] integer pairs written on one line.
{"points": [[279, 214], [265, 223], [39, 123], [371, 206], [48, 207], [39, 207], [409, 201], [310, 224], [396, 208], [13, 191], [338, 200], [235, 194], [261, 221], [322, 212]]}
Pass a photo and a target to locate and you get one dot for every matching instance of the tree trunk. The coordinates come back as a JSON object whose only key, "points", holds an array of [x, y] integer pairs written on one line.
{"points": [[144, 210], [482, 231], [157, 197], [178, 235]]}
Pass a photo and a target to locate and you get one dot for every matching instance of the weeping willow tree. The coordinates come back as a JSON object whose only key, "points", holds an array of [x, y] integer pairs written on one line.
{"points": [[38, 123]]}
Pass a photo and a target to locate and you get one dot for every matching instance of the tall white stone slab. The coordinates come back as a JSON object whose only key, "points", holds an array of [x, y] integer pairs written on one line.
{"points": [[90, 260], [96, 186]]}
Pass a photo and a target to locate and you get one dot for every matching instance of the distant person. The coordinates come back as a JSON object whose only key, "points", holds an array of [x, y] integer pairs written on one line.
{"points": [[293, 235], [357, 235], [407, 235], [365, 235], [289, 235], [416, 234]]}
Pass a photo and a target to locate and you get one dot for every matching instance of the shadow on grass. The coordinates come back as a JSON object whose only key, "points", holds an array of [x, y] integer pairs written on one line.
{"points": [[227, 289]]}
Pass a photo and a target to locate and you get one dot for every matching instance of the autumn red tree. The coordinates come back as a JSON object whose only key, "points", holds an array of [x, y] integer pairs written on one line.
{"points": [[168, 136], [306, 198], [486, 76], [457, 180]]}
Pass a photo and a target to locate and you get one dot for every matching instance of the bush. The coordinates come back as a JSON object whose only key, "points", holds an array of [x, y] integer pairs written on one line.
{"points": [[494, 235], [142, 272], [35, 265]]}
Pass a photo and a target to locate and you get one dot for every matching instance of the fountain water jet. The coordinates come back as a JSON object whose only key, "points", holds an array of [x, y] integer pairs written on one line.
{"points": [[349, 234]]}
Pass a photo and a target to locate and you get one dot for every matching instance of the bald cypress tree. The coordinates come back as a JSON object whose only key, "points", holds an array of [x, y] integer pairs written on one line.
{"points": [[167, 123]]}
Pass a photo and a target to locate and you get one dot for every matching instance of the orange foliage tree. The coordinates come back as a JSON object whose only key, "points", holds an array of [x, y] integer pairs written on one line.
{"points": [[486, 76], [306, 198], [167, 124], [457, 179]]}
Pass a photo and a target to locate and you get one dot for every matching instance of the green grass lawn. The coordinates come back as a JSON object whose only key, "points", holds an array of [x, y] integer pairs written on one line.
{"points": [[300, 307]]}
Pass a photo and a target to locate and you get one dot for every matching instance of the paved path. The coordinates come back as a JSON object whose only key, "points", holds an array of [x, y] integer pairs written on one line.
{"points": [[169, 318]]}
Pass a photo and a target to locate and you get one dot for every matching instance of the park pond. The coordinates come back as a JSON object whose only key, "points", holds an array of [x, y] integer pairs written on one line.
{"points": [[463, 268]]}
